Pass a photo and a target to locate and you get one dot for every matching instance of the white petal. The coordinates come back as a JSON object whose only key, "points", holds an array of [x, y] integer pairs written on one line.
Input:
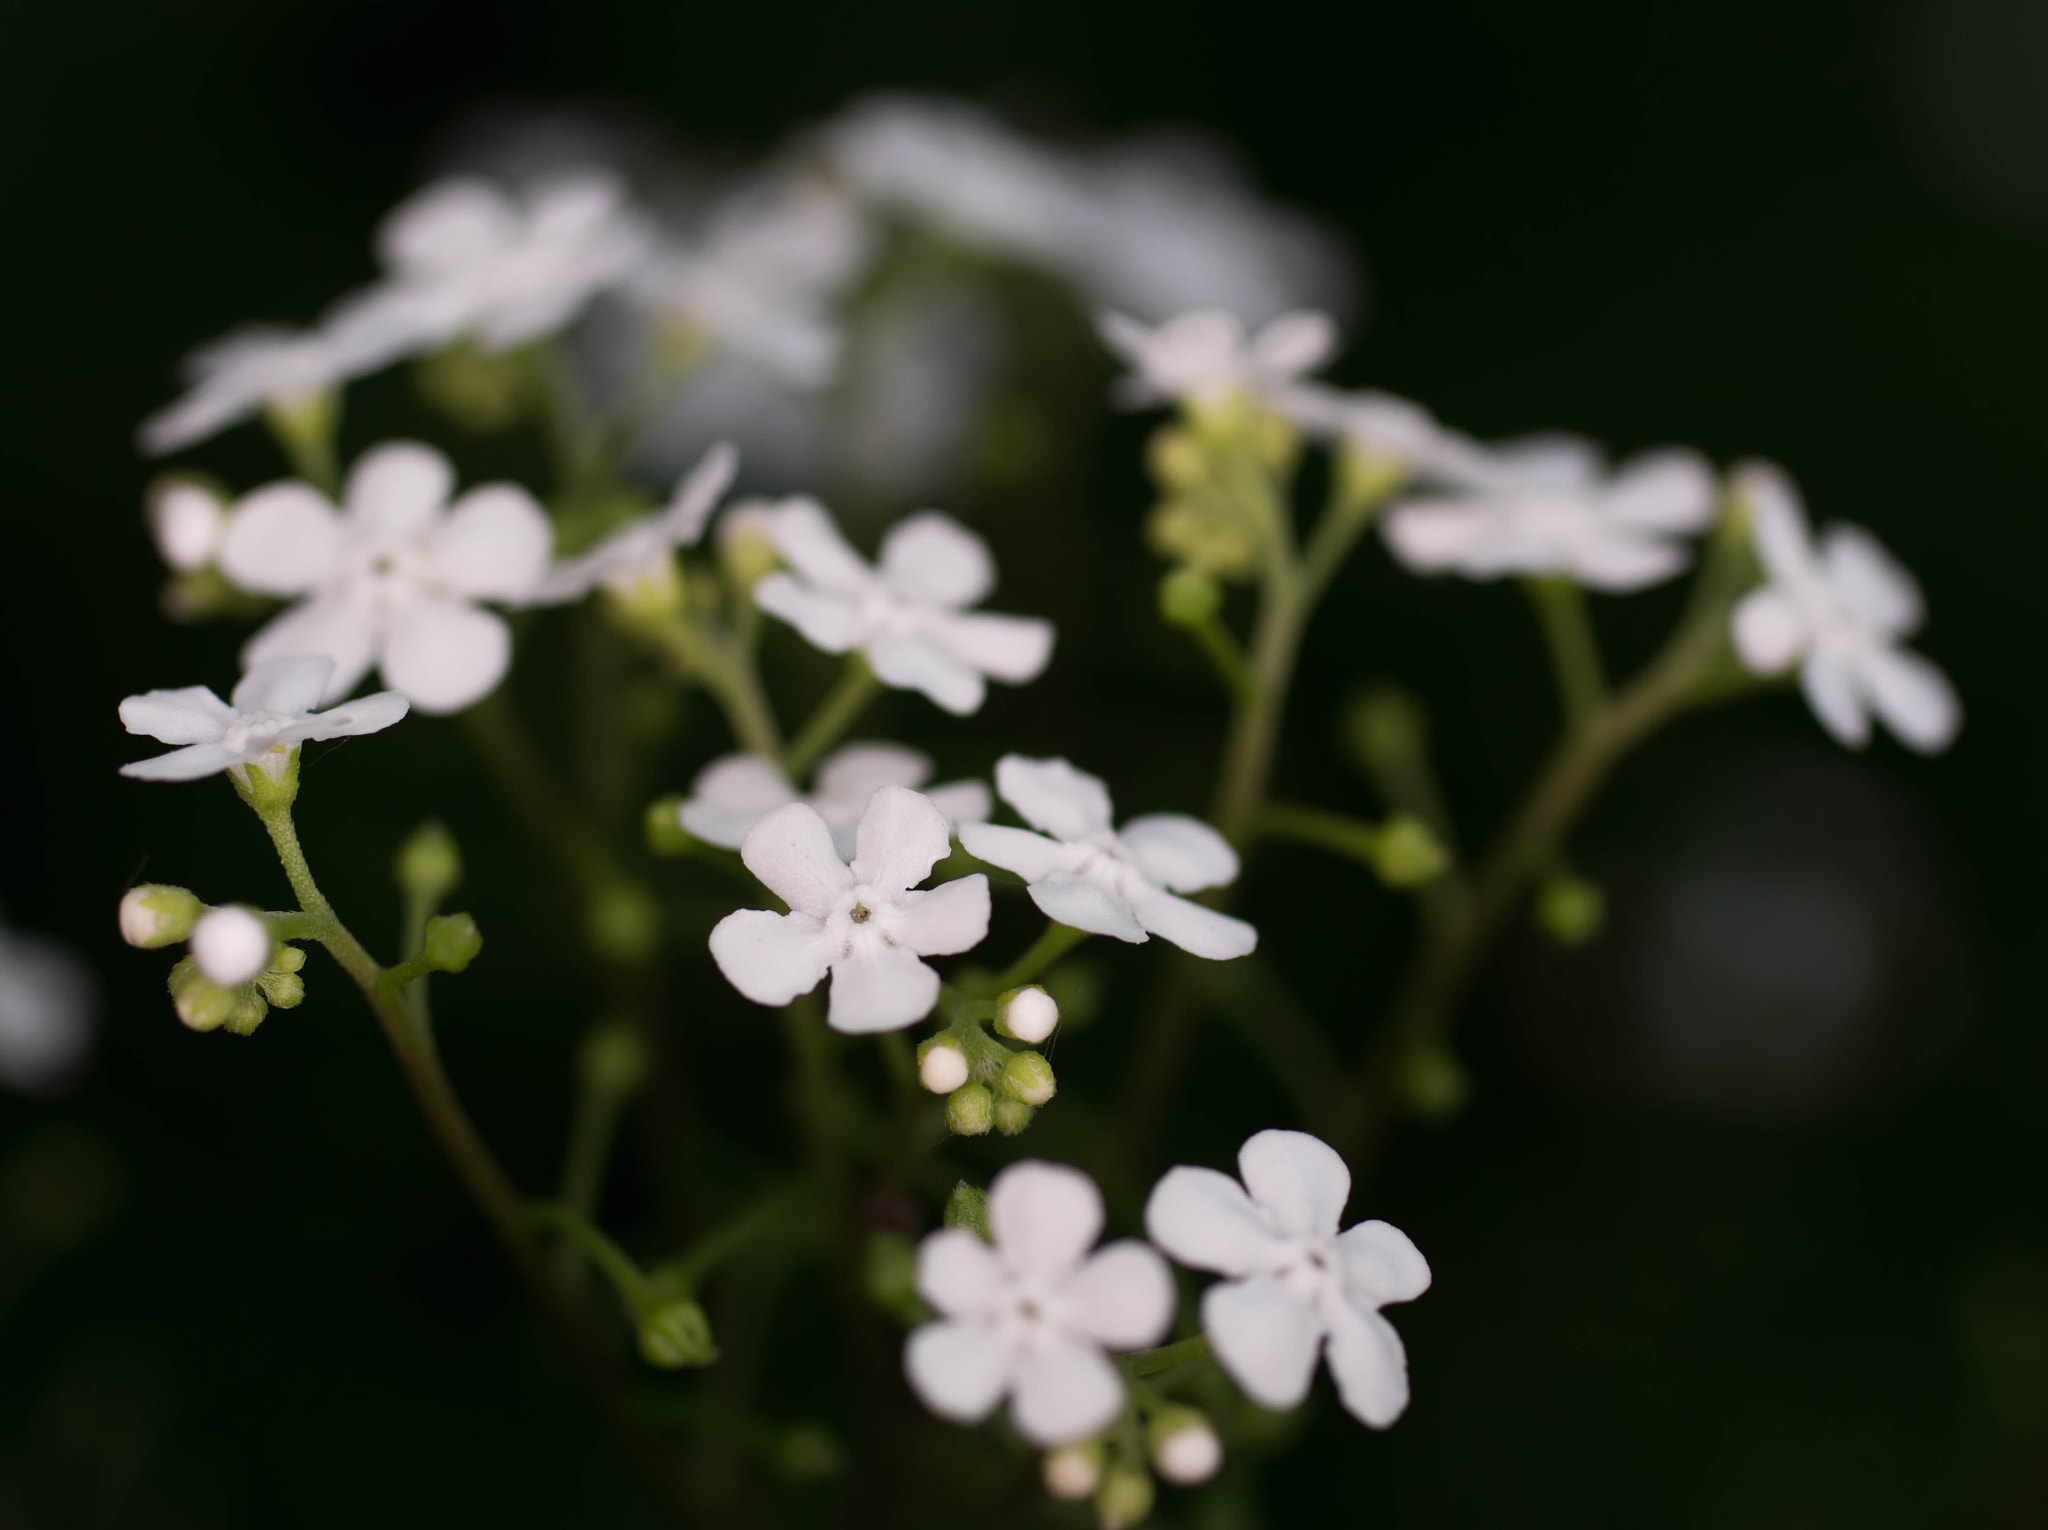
{"points": [[697, 494], [1382, 1263], [1547, 463], [1122, 1296], [1065, 1391], [810, 542], [1768, 630], [947, 919], [1083, 903], [880, 988], [959, 1370], [187, 523], [1831, 690], [1913, 697], [1032, 856], [791, 851], [1179, 853], [1870, 581], [910, 662], [1010, 648], [448, 225], [1294, 343], [189, 715], [1299, 1181], [901, 837], [1052, 795], [934, 559], [393, 491], [366, 714], [281, 540], [1369, 1366], [1777, 522], [1196, 930], [731, 795], [331, 629], [771, 958], [1670, 491], [857, 771], [1263, 1337], [188, 764], [829, 622], [1044, 1216], [289, 686], [963, 802], [957, 1273], [1617, 560], [1431, 536], [446, 655], [494, 544], [1205, 1220]]}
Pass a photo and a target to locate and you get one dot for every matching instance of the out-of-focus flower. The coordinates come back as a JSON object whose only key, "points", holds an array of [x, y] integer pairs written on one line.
{"points": [[641, 549], [1549, 511], [270, 714], [393, 578], [1383, 428], [46, 1013], [232, 946], [1839, 611], [1110, 882], [736, 791], [907, 614], [1206, 357], [1028, 1315], [186, 521], [1295, 1285], [863, 923]]}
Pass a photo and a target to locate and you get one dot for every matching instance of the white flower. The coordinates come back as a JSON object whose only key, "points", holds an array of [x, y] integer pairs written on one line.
{"points": [[46, 1013], [187, 521], [1384, 427], [1542, 510], [391, 580], [1095, 878], [1203, 358], [640, 550], [270, 714], [467, 257], [1029, 1315], [1838, 611], [736, 791], [863, 923], [907, 614], [231, 946], [1295, 1285]]}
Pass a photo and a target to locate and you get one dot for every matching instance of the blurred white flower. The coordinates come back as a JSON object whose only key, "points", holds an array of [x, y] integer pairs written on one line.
{"points": [[1839, 611], [1203, 358], [186, 521], [1547, 509], [232, 945], [393, 578], [863, 923], [907, 614], [736, 791], [46, 1013], [1093, 877], [1028, 1315], [640, 550], [1295, 1285], [1386, 428], [270, 714]]}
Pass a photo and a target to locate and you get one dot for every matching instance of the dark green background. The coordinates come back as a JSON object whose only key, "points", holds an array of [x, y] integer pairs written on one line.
{"points": [[1728, 224]]}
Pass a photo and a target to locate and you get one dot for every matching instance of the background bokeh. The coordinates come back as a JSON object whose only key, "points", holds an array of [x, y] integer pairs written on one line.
{"points": [[1747, 1222]]}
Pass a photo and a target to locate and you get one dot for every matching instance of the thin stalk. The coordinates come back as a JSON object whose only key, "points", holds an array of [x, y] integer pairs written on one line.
{"points": [[1339, 833], [1053, 942], [1574, 649], [840, 709], [1150, 1362]]}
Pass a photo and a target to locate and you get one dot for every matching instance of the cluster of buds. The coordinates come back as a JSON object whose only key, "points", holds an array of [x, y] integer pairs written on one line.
{"points": [[1215, 472], [987, 1084], [1183, 1449], [234, 969]]}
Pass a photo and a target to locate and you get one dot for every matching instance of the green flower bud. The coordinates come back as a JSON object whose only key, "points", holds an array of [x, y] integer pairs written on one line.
{"points": [[1189, 597], [201, 1004], [284, 990], [1012, 1116], [1204, 532], [1125, 1499], [676, 1333], [1176, 458], [1073, 1472], [248, 1012], [1386, 728], [1027, 1076], [429, 863], [1570, 910], [1027, 1014], [452, 942], [624, 922], [613, 1059], [287, 959], [808, 1453], [970, 1110], [1406, 853], [663, 827], [271, 783], [1366, 477], [1434, 1084], [155, 914], [968, 1207], [482, 391]]}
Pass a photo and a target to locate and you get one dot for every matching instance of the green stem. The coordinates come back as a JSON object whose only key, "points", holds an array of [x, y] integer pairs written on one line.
{"points": [[840, 709], [634, 1288], [1340, 834], [593, 1124], [1053, 942], [725, 668], [1150, 1362], [1574, 649], [1225, 655], [767, 1216]]}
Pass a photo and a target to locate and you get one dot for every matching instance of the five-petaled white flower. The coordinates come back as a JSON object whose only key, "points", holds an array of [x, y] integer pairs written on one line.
{"points": [[1203, 358], [391, 580], [908, 613], [1548, 510], [269, 715], [1295, 1285], [863, 923], [736, 791], [1030, 1315], [640, 549], [1838, 611], [1110, 882]]}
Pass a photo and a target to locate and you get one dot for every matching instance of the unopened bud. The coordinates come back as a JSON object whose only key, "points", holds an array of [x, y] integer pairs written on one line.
{"points": [[429, 863], [1185, 1450], [809, 1453], [746, 542], [970, 1110], [613, 1059], [941, 1066], [1189, 597], [155, 914], [624, 922], [1367, 476], [452, 942], [186, 520], [1406, 854], [967, 1207], [1012, 1116], [1073, 1472], [1570, 910], [232, 946], [1176, 458], [1027, 1076], [1125, 1499], [284, 990], [1386, 727], [1434, 1084], [663, 826], [1029, 1014], [676, 1333], [201, 1005], [480, 390]]}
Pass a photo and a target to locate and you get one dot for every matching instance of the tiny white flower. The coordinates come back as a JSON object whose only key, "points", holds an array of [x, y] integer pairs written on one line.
{"points": [[1204, 357], [736, 791], [863, 923], [1545, 510], [1839, 611], [1110, 882], [1188, 1453], [270, 714], [232, 946], [46, 1013], [1029, 1315], [1029, 1014], [1295, 1286], [907, 614], [186, 521], [943, 1068], [1073, 1472], [391, 579], [641, 549]]}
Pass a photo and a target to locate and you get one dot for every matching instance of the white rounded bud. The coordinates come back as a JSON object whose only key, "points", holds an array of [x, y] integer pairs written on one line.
{"points": [[1073, 1472], [942, 1068], [1187, 1452], [232, 946], [156, 915], [187, 523], [1029, 1014]]}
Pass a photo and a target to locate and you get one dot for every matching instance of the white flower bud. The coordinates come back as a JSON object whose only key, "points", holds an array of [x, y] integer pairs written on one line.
{"points": [[232, 946], [1029, 1014], [157, 915], [1027, 1076], [187, 523], [1073, 1472], [1185, 1450], [941, 1067]]}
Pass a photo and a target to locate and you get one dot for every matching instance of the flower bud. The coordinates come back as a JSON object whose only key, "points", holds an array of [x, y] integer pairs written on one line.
{"points": [[155, 914], [1189, 597], [1434, 1083], [1125, 1499], [1406, 854], [624, 922], [746, 542], [1367, 477], [186, 520], [201, 1005], [1073, 1472], [808, 1453], [452, 942], [1570, 910], [1386, 728], [941, 1066], [1012, 1116], [676, 1333], [1176, 458], [232, 946], [482, 391], [429, 863], [1185, 1450], [284, 990], [967, 1207], [613, 1059], [663, 826], [1027, 1076], [970, 1110], [1028, 1014]]}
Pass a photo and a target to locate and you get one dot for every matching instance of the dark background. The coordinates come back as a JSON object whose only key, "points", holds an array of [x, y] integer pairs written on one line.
{"points": [[1748, 1221]]}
